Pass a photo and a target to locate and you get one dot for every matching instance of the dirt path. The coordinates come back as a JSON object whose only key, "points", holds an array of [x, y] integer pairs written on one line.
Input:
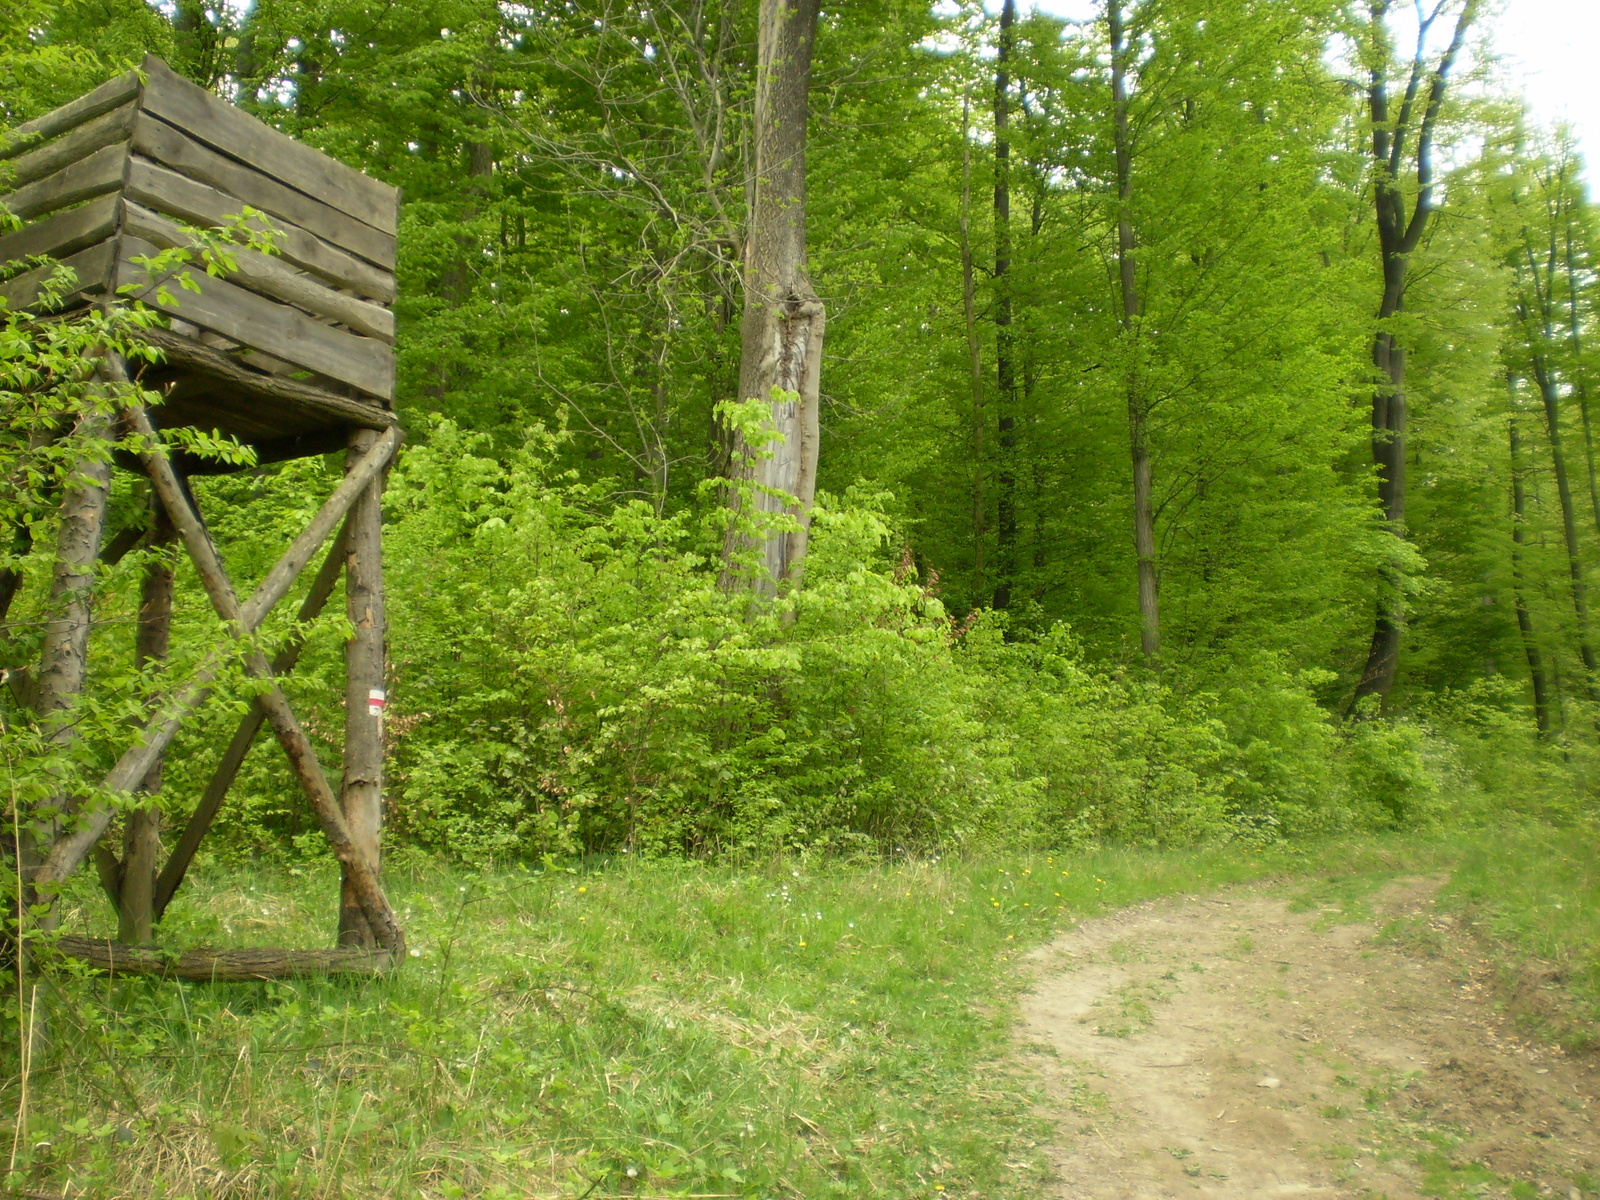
{"points": [[1231, 1047]]}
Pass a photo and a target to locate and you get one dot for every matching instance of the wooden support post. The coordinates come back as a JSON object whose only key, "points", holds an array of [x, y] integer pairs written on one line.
{"points": [[142, 833], [70, 850], [302, 757], [361, 796], [205, 812], [66, 638]]}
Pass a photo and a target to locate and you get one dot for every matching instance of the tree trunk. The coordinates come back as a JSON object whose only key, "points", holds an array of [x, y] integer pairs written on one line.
{"points": [[361, 794], [782, 329], [1401, 223], [1569, 523], [142, 834], [975, 359], [1530, 643], [1580, 376], [1144, 521], [1389, 456], [1004, 352]]}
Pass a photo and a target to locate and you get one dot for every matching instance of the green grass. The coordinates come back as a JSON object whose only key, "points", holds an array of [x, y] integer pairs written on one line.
{"points": [[627, 1029], [1534, 889], [631, 1030]]}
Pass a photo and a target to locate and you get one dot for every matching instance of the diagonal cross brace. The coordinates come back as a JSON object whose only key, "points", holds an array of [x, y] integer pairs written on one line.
{"points": [[69, 851], [242, 619]]}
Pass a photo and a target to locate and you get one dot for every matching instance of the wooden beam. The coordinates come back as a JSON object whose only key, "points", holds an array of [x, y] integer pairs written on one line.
{"points": [[296, 746], [104, 98], [63, 234], [211, 800], [361, 792], [220, 966], [200, 204], [267, 276], [171, 147], [91, 266], [94, 176], [362, 362], [141, 841], [236, 133], [83, 141], [298, 397]]}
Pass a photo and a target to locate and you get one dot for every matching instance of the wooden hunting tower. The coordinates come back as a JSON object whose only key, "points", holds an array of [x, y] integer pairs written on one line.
{"points": [[292, 353]]}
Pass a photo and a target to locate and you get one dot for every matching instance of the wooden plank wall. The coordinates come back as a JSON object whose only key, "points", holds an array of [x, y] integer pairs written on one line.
{"points": [[115, 177]]}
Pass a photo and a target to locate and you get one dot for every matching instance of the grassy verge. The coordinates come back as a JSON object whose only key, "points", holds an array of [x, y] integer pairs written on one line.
{"points": [[637, 1030], [1532, 892], [647, 1029]]}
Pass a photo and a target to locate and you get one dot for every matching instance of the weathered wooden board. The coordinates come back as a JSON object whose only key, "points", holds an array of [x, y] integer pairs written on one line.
{"points": [[63, 152], [64, 233], [364, 363], [270, 277], [236, 133], [317, 408], [167, 191], [109, 95], [94, 176], [171, 147], [93, 267]]}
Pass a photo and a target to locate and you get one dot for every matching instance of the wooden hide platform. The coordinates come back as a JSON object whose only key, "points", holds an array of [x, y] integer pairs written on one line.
{"points": [[291, 349], [293, 354]]}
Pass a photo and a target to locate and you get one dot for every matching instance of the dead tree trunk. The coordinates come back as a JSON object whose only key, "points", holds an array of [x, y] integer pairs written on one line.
{"points": [[361, 795], [1004, 341], [1530, 642], [1401, 221], [782, 329], [1144, 521]]}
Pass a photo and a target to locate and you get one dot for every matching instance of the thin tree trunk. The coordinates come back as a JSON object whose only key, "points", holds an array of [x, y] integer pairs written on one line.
{"points": [[1004, 351], [784, 321], [1580, 376], [142, 832], [1530, 643], [1144, 522], [361, 794], [1569, 524], [974, 357]]}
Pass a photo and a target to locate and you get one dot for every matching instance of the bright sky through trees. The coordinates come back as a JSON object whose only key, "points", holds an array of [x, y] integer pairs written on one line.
{"points": [[1549, 48]]}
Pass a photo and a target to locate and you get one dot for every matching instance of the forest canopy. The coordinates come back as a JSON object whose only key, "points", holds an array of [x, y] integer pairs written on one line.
{"points": [[1188, 410]]}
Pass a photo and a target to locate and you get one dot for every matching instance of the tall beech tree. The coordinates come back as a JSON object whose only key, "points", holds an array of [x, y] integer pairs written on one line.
{"points": [[1403, 130]]}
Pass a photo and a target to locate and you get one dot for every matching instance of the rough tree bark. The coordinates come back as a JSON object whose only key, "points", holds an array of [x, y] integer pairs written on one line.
{"points": [[782, 328], [1401, 222], [1144, 521], [1530, 642], [1004, 349]]}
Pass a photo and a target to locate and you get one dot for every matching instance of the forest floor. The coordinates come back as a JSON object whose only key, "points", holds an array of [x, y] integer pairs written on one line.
{"points": [[1281, 1041]]}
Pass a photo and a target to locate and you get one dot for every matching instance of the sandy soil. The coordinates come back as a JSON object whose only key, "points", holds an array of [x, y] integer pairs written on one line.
{"points": [[1230, 1047]]}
